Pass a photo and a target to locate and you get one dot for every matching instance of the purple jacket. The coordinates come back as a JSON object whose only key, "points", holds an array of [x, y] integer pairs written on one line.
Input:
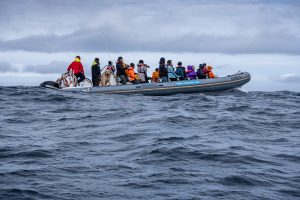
{"points": [[191, 74]]}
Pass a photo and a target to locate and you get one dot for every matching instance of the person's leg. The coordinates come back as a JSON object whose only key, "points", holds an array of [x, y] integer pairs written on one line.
{"points": [[164, 79], [97, 82], [123, 79], [80, 77], [135, 82], [146, 78]]}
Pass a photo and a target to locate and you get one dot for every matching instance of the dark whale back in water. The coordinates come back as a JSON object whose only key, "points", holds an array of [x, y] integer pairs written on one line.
{"points": [[49, 84]]}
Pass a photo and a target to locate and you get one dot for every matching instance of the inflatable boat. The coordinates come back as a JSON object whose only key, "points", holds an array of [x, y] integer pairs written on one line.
{"points": [[163, 88]]}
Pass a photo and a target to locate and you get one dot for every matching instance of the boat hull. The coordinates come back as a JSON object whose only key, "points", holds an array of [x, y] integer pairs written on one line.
{"points": [[170, 88]]}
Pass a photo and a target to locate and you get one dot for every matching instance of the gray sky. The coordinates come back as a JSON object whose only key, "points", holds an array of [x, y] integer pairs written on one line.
{"points": [[53, 28], [156, 26]]}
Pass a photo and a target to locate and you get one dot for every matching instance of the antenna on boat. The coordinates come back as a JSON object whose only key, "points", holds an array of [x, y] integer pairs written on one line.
{"points": [[106, 46]]}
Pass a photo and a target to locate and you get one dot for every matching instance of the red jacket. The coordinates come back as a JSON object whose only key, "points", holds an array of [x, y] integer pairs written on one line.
{"points": [[76, 67]]}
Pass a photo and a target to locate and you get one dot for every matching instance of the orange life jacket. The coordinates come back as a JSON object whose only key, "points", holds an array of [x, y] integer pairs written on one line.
{"points": [[211, 74], [155, 75], [131, 74]]}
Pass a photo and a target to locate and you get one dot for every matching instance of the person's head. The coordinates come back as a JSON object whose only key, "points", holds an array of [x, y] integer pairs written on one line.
{"points": [[132, 65], [120, 59], [78, 57], [190, 67], [110, 63], [141, 62], [162, 60], [179, 63], [204, 64], [209, 68], [97, 60], [169, 62], [156, 69], [200, 66]]}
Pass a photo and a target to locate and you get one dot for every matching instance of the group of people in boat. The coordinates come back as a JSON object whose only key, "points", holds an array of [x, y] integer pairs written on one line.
{"points": [[126, 73]]}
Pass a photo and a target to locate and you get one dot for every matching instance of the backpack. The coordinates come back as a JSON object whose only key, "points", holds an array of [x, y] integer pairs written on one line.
{"points": [[180, 72], [141, 69]]}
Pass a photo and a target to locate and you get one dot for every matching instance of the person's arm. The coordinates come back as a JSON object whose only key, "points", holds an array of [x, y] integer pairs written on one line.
{"points": [[118, 67], [99, 71], [82, 70], [70, 67], [166, 70]]}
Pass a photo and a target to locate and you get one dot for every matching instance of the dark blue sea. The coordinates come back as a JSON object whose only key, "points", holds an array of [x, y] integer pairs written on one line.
{"points": [[229, 145]]}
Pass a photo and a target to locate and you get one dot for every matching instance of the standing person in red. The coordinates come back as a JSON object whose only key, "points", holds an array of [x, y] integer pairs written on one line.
{"points": [[77, 68]]}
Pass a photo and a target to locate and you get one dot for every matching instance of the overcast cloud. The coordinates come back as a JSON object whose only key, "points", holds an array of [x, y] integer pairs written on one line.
{"points": [[6, 67], [166, 25]]}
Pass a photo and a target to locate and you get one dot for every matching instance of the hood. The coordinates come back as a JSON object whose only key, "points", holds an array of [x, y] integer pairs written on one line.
{"points": [[190, 67]]}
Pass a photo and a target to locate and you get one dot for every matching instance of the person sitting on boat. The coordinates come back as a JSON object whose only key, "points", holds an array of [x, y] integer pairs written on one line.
{"points": [[111, 67], [155, 75], [163, 71], [200, 73], [204, 69], [171, 72], [121, 67], [142, 71], [62, 81], [96, 72], [77, 69], [191, 74], [132, 76], [210, 74], [108, 72], [180, 71]]}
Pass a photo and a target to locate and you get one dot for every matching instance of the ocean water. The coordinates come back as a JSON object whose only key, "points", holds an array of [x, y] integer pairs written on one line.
{"points": [[229, 145]]}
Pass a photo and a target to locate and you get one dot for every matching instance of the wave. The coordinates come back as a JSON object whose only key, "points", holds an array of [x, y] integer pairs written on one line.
{"points": [[217, 145], [16, 193], [9, 153], [242, 180]]}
